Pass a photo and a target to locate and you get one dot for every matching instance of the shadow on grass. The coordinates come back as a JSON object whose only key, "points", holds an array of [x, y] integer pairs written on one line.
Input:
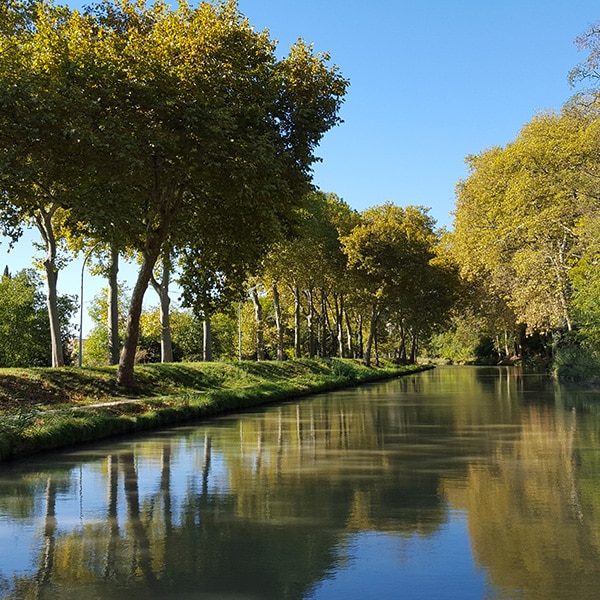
{"points": [[196, 376], [279, 370]]}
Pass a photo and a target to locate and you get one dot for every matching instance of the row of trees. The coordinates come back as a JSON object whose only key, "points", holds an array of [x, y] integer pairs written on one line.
{"points": [[164, 133], [177, 137], [526, 227], [345, 284]]}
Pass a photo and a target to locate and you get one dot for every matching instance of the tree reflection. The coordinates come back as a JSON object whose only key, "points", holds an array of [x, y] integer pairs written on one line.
{"points": [[289, 478], [530, 524], [112, 517], [141, 563], [49, 541]]}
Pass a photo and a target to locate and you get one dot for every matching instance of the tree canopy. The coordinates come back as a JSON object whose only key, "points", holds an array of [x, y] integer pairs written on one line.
{"points": [[151, 125]]}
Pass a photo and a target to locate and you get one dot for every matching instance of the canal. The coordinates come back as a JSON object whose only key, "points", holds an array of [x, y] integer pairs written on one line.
{"points": [[456, 483]]}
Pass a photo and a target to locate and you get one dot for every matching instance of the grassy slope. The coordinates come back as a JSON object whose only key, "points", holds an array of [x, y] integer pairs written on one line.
{"points": [[42, 409]]}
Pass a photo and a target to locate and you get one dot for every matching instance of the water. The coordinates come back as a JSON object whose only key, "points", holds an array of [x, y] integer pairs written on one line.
{"points": [[457, 483]]}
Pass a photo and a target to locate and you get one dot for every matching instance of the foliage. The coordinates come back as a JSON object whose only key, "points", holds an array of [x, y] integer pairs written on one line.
{"points": [[576, 363], [24, 328], [393, 264], [526, 229], [181, 126], [524, 226], [37, 168], [458, 343]]}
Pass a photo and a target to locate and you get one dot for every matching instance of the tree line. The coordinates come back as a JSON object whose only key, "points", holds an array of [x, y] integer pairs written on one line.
{"points": [[135, 128], [526, 233], [176, 137], [346, 283]]}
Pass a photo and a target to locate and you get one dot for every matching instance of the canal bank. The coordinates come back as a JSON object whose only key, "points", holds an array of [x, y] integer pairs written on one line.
{"points": [[46, 409], [458, 483]]}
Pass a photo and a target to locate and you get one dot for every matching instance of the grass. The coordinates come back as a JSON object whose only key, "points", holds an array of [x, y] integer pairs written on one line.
{"points": [[43, 409]]}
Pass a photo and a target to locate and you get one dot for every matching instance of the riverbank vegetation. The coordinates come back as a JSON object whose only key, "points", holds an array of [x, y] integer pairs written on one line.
{"points": [[526, 236], [47, 408]]}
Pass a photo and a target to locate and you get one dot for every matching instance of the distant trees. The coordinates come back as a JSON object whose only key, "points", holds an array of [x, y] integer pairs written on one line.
{"points": [[25, 334], [313, 294], [391, 255], [348, 283]]}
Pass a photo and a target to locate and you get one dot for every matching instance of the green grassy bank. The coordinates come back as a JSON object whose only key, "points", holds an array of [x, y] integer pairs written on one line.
{"points": [[43, 409]]}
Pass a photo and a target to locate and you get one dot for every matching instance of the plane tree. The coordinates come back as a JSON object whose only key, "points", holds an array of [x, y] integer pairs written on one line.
{"points": [[172, 123], [519, 216], [389, 255], [38, 167]]}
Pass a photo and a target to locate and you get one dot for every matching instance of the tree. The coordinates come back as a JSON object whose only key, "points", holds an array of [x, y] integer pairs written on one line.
{"points": [[526, 215], [37, 169], [518, 212], [389, 253], [196, 130]]}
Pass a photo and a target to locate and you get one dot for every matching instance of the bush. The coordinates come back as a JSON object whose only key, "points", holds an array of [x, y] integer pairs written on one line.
{"points": [[576, 363]]}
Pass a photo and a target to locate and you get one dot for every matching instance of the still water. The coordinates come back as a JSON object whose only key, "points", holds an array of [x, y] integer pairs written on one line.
{"points": [[456, 483]]}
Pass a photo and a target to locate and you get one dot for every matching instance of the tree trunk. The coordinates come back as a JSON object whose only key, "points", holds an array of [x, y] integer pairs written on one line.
{"points": [[297, 306], [376, 346], [310, 320], [258, 315], [44, 224], [414, 348], [206, 340], [278, 322], [339, 325], [349, 345], [324, 325], [402, 347], [371, 336], [155, 238], [162, 289], [58, 359], [125, 372], [113, 307], [361, 347]]}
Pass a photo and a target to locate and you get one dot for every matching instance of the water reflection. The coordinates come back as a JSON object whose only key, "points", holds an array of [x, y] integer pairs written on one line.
{"points": [[454, 483]]}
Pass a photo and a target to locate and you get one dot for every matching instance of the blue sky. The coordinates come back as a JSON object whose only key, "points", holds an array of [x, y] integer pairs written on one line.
{"points": [[431, 81]]}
